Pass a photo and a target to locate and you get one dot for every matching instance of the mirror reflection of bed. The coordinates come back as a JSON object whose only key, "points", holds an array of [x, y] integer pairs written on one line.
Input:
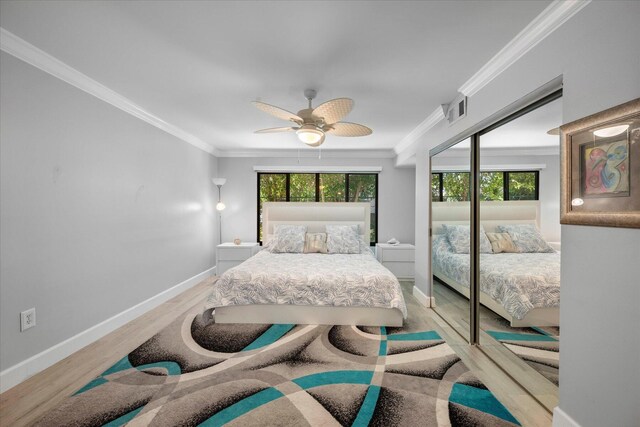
{"points": [[519, 292]]}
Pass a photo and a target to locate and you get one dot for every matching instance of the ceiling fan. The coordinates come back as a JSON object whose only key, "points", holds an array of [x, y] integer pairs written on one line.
{"points": [[314, 123]]}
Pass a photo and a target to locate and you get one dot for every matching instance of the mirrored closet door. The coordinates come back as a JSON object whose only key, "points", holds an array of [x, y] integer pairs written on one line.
{"points": [[519, 263], [510, 171], [450, 261]]}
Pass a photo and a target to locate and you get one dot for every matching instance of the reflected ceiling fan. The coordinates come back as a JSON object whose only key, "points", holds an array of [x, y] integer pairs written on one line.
{"points": [[314, 123]]}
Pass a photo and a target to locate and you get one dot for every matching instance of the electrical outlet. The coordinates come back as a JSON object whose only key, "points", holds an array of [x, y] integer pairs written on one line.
{"points": [[27, 319]]}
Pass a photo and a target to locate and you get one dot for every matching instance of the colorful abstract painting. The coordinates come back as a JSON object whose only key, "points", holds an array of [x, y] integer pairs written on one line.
{"points": [[605, 169]]}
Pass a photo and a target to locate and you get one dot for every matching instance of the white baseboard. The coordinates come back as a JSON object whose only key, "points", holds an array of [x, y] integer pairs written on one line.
{"points": [[422, 298], [16, 374], [561, 419]]}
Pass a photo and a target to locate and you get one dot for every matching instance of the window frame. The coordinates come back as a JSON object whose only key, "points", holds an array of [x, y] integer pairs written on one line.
{"points": [[317, 194], [505, 182]]}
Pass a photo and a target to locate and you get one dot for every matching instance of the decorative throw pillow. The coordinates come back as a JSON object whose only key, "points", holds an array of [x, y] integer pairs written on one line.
{"points": [[459, 237], [526, 237], [501, 242], [343, 239], [288, 239], [315, 243]]}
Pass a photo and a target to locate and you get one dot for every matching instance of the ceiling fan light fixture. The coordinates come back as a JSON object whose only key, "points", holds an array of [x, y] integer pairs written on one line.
{"points": [[310, 135]]}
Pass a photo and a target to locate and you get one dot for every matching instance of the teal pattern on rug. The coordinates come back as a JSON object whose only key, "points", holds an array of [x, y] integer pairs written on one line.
{"points": [[480, 399], [360, 376], [368, 407], [271, 335], [514, 336], [123, 364]]}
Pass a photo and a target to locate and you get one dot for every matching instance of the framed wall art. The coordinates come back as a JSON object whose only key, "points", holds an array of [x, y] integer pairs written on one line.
{"points": [[600, 170]]}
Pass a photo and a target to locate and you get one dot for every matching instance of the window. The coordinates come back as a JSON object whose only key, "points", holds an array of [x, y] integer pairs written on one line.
{"points": [[319, 187], [456, 186], [491, 185], [436, 187], [523, 185], [302, 187], [332, 187], [506, 185]]}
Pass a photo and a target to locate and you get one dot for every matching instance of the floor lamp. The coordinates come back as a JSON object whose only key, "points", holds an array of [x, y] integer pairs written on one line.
{"points": [[219, 182]]}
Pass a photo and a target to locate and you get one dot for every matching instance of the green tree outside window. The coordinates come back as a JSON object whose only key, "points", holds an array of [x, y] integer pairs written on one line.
{"points": [[522, 185], [332, 187], [302, 187]]}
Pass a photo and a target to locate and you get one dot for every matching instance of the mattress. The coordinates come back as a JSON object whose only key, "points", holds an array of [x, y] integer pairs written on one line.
{"points": [[519, 282], [339, 280]]}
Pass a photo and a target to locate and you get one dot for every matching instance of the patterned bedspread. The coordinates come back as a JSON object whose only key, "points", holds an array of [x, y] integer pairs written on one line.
{"points": [[519, 282], [309, 279]]}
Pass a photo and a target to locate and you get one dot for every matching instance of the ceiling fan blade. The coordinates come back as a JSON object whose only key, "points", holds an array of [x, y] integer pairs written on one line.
{"points": [[348, 129], [277, 112], [274, 130], [335, 110]]}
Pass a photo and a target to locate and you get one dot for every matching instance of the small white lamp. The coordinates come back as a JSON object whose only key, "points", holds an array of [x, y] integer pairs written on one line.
{"points": [[219, 182]]}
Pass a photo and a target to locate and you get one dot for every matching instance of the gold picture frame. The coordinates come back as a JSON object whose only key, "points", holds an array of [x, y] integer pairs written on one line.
{"points": [[600, 168]]}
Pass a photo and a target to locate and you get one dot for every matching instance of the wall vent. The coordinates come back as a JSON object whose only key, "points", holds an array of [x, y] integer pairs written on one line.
{"points": [[455, 110]]}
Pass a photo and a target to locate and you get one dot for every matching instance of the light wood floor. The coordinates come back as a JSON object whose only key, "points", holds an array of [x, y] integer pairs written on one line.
{"points": [[26, 402]]}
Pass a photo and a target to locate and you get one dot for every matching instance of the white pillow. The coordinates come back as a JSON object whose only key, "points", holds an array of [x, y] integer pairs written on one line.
{"points": [[459, 237], [343, 239], [526, 237], [288, 239]]}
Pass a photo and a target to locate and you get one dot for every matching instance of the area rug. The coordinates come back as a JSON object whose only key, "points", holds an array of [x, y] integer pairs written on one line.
{"points": [[539, 346], [202, 373]]}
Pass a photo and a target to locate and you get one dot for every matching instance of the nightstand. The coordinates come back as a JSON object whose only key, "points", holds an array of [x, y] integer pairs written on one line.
{"points": [[399, 259], [229, 255]]}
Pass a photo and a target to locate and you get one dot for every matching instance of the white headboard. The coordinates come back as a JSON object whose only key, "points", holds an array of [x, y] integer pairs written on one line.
{"points": [[315, 215], [491, 214]]}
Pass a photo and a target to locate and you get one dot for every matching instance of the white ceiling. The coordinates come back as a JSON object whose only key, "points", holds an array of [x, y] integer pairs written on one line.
{"points": [[197, 65], [525, 132]]}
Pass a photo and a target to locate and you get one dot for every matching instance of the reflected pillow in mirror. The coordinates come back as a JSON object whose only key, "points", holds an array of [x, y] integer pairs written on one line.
{"points": [[526, 237], [501, 242], [459, 238]]}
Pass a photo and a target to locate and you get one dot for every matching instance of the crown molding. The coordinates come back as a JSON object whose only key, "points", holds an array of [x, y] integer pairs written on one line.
{"points": [[550, 19], [420, 130], [25, 51], [310, 153], [501, 152]]}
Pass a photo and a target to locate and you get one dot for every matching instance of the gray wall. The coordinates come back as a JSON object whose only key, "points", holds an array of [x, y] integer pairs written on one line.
{"points": [[100, 211], [599, 314], [549, 183], [396, 189]]}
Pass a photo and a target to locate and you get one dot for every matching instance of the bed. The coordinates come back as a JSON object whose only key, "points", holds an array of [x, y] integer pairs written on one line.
{"points": [[336, 289], [523, 288]]}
